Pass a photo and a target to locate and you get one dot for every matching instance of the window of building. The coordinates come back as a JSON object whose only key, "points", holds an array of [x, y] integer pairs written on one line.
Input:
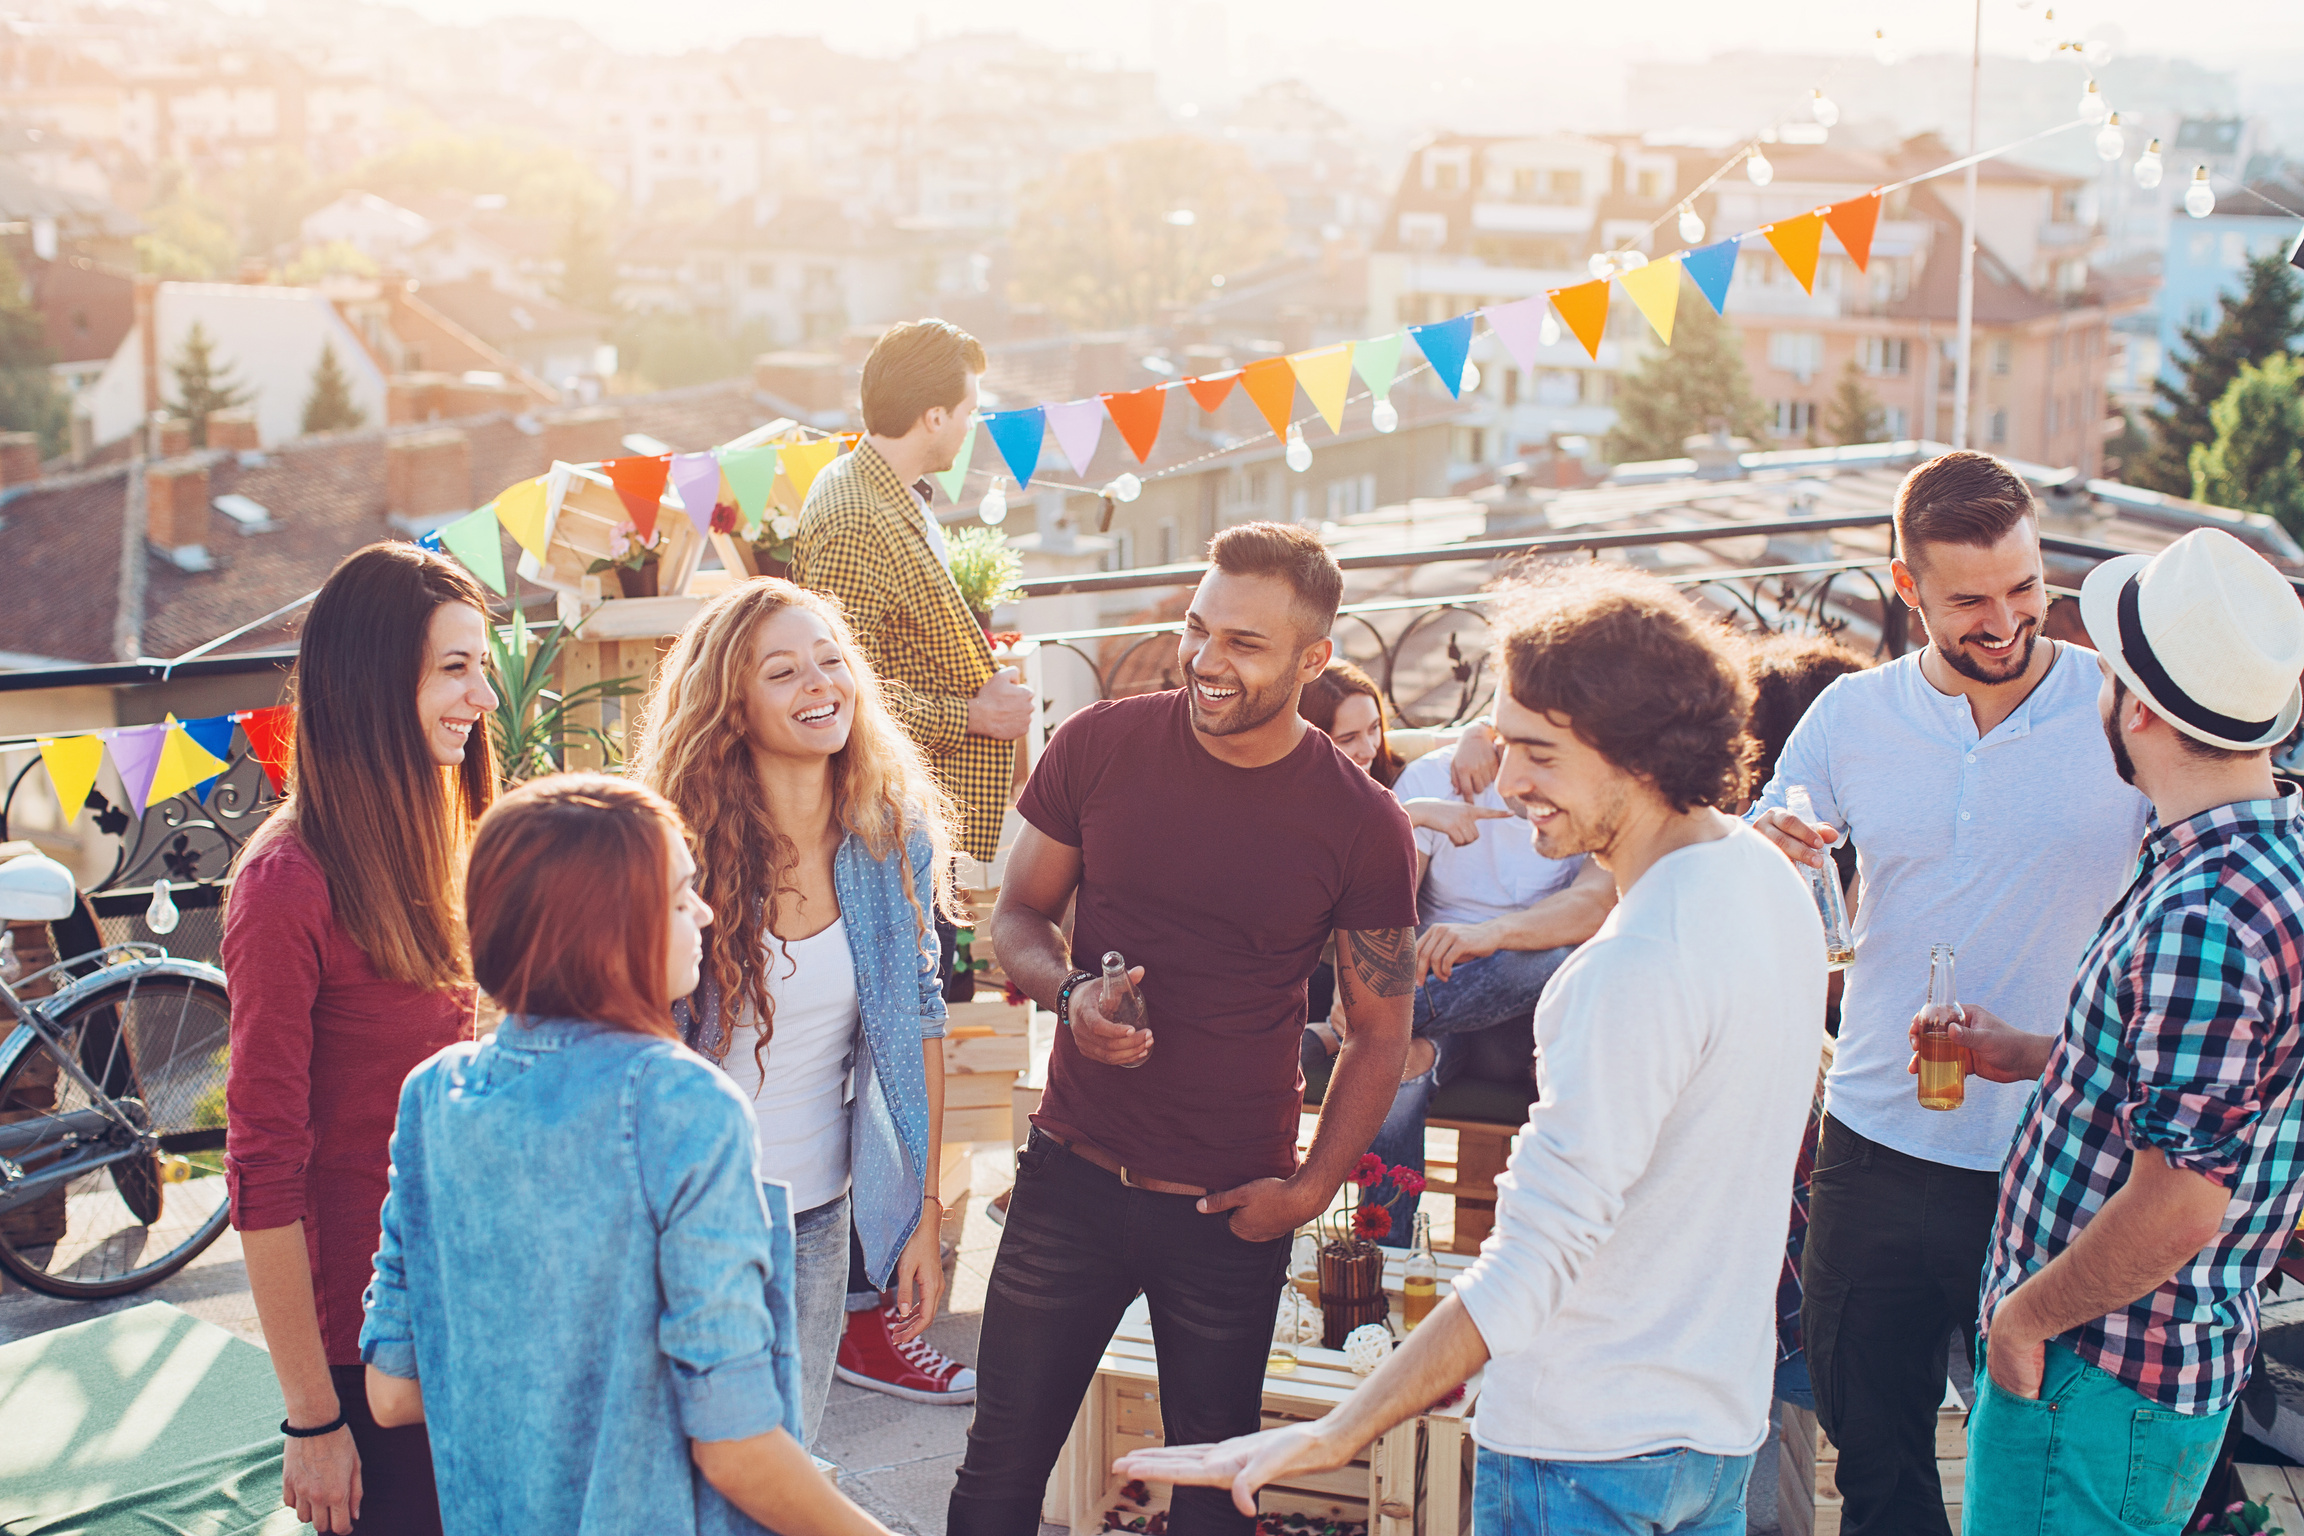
{"points": [[2055, 412], [1556, 386], [2003, 355], [1524, 183], [1894, 420], [1511, 386], [1170, 551], [1997, 422], [1799, 353], [1887, 357], [1795, 418], [1471, 445], [1351, 496], [1567, 184], [1447, 170], [1423, 230], [1650, 185]]}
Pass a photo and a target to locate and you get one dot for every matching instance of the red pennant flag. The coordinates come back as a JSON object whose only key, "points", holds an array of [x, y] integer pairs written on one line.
{"points": [[272, 742], [1137, 415], [1211, 392], [1271, 383], [640, 482], [1585, 308], [1854, 221]]}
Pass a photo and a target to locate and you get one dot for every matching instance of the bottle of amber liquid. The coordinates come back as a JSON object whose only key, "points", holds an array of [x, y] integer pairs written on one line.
{"points": [[1419, 1277], [1943, 1064]]}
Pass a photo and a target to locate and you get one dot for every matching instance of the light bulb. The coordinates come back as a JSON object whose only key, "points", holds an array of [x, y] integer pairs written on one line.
{"points": [[1757, 167], [1630, 261], [1299, 451], [1127, 488], [1882, 49], [1826, 109], [2109, 140], [2148, 166], [993, 509], [10, 966], [1691, 224], [1384, 416], [2097, 51], [2200, 198], [1602, 266], [1549, 332], [1471, 377], [161, 916], [2092, 105]]}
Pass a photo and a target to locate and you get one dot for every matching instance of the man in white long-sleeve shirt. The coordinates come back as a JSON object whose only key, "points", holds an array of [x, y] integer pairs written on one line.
{"points": [[1624, 1304]]}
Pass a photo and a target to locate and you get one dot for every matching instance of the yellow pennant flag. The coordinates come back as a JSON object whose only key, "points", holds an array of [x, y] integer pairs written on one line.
{"points": [[803, 462], [72, 762], [524, 511], [183, 763], [1326, 375], [1656, 289]]}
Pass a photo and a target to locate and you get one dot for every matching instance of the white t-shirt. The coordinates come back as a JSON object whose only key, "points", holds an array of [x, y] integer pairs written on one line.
{"points": [[2009, 848], [1628, 1292], [1500, 874], [801, 1112]]}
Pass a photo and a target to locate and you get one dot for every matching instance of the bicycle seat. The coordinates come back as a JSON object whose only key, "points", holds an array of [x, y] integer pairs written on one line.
{"points": [[36, 889]]}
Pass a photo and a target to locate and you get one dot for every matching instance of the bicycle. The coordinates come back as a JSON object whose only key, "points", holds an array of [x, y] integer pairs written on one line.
{"points": [[111, 1108]]}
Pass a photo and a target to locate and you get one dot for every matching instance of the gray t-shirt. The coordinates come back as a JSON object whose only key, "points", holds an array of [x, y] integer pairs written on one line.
{"points": [[1500, 874], [2010, 849]]}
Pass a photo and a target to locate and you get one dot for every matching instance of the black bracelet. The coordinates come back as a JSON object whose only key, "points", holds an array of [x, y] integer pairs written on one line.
{"points": [[328, 1428], [1064, 996]]}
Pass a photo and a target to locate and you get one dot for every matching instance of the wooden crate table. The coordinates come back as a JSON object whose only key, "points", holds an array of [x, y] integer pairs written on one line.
{"points": [[1414, 1481]]}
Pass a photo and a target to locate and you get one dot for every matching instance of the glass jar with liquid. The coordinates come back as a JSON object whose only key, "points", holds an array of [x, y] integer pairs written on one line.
{"points": [[1943, 1063], [1824, 886], [1287, 1325], [1419, 1277]]}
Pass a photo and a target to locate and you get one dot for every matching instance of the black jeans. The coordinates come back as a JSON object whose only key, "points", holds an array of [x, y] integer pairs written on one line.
{"points": [[1895, 1255], [1078, 1248], [397, 1494]]}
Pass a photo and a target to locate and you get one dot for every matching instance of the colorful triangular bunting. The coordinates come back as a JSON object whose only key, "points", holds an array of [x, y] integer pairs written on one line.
{"points": [[1326, 374], [1445, 344], [803, 462], [1377, 361], [1656, 289], [72, 762], [1271, 383], [640, 484], [474, 539], [1585, 308], [696, 477], [1520, 326], [751, 475], [215, 737], [136, 753], [1017, 435], [955, 479], [183, 763], [1854, 221], [1137, 414], [1711, 268], [1797, 241], [1211, 390], [525, 514], [271, 740], [1078, 424]]}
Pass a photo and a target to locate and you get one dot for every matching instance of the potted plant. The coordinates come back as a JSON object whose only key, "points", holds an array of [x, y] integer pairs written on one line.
{"points": [[1351, 1265], [986, 571], [633, 559], [772, 545]]}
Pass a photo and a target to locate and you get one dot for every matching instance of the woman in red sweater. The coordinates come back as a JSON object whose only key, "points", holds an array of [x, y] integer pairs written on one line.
{"points": [[347, 963]]}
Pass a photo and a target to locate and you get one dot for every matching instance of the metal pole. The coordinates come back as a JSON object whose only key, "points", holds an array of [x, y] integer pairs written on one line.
{"points": [[1966, 342]]}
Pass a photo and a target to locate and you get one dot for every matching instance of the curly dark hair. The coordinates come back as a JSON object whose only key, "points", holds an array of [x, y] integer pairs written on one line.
{"points": [[1642, 677], [1788, 673]]}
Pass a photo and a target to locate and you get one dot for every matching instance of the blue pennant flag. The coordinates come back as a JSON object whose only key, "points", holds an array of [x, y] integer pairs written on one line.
{"points": [[1711, 266], [1445, 344], [1017, 435], [214, 734]]}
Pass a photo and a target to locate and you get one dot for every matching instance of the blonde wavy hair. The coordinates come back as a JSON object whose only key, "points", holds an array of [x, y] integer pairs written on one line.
{"points": [[695, 750]]}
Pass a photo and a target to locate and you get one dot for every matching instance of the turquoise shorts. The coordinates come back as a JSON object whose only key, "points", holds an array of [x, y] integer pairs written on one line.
{"points": [[2090, 1455]]}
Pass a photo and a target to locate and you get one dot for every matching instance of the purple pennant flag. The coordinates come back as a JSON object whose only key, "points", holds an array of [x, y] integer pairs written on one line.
{"points": [[136, 753], [696, 476], [1520, 325], [1077, 425]]}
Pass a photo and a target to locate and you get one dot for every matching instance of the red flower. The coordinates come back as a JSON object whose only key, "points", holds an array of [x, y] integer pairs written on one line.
{"points": [[1369, 1171], [1372, 1222], [725, 518], [1408, 1181]]}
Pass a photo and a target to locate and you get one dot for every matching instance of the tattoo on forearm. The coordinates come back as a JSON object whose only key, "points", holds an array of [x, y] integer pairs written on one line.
{"points": [[1384, 960]]}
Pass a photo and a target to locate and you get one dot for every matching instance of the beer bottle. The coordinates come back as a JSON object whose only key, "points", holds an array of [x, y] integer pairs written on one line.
{"points": [[1419, 1276], [1121, 1002], [1943, 1064], [1824, 885]]}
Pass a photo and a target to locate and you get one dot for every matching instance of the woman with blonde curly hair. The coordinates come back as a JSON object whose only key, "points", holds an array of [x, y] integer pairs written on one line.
{"points": [[826, 851]]}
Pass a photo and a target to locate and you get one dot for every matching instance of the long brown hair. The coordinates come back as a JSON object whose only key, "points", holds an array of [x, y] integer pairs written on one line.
{"points": [[545, 944], [695, 752], [1325, 694], [387, 825]]}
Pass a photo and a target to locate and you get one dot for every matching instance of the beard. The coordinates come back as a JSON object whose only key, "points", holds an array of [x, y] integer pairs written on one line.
{"points": [[2122, 763], [1977, 670], [1245, 713]]}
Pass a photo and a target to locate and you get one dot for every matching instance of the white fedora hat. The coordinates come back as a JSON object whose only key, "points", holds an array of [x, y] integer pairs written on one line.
{"points": [[2207, 633]]}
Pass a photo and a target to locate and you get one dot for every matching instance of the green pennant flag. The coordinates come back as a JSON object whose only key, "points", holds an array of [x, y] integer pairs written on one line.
{"points": [[955, 479], [474, 540], [1376, 362], [751, 472]]}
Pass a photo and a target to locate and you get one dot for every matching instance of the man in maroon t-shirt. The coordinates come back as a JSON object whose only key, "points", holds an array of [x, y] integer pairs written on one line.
{"points": [[1216, 841]]}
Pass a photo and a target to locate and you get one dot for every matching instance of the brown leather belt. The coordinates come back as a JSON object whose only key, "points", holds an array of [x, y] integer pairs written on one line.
{"points": [[1110, 1164]]}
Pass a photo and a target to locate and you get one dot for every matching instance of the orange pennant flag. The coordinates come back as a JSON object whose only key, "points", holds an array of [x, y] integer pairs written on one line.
{"points": [[1797, 241], [1137, 414], [1585, 308], [1853, 221], [1271, 383], [1210, 392]]}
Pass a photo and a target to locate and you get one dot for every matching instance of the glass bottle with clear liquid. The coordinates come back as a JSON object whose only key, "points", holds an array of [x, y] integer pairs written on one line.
{"points": [[1824, 885], [1282, 1358], [1943, 1064], [1120, 1000], [1419, 1277]]}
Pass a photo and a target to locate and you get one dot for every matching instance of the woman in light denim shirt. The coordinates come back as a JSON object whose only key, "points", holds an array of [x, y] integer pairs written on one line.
{"points": [[581, 1286], [826, 848]]}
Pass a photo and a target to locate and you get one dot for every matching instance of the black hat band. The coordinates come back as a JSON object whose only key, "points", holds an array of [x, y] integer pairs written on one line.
{"points": [[2137, 652]]}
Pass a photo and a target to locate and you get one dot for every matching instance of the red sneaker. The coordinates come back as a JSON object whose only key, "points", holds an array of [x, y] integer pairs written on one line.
{"points": [[919, 1372]]}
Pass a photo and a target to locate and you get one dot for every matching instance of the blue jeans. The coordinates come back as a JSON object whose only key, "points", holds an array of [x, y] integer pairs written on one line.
{"points": [[1685, 1493], [1494, 990], [820, 1287]]}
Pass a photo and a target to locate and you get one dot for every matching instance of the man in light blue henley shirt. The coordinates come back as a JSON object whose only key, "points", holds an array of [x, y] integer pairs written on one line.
{"points": [[1973, 777]]}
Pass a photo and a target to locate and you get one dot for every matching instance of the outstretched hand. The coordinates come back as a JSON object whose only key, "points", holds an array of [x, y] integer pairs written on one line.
{"points": [[1803, 842], [1244, 1464], [1998, 1051]]}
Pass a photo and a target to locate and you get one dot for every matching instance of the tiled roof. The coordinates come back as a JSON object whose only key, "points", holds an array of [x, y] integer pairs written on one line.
{"points": [[497, 317]]}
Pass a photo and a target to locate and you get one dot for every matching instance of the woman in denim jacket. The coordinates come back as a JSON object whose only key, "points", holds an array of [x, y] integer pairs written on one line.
{"points": [[826, 848], [581, 1286]]}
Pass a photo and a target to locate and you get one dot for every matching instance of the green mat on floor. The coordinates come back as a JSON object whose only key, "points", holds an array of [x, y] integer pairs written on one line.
{"points": [[147, 1422]]}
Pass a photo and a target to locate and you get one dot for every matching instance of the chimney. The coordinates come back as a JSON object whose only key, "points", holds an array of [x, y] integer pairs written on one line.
{"points": [[171, 438], [413, 397], [19, 458], [234, 430], [176, 506], [809, 381], [586, 436], [460, 398], [426, 474]]}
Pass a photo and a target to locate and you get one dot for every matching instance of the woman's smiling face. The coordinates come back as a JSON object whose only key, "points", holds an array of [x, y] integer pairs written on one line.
{"points": [[801, 699]]}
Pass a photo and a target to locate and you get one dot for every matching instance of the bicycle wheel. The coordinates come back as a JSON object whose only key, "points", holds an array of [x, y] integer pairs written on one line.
{"points": [[156, 1037]]}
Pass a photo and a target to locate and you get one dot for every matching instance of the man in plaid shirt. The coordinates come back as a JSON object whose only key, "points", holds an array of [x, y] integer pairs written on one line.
{"points": [[2155, 1177]]}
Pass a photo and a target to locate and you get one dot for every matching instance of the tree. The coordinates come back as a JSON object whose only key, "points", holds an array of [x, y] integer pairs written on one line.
{"points": [[2261, 320], [587, 276], [1122, 232], [188, 236], [329, 407], [203, 386], [29, 399], [338, 258], [1853, 414], [2256, 463], [1695, 386]]}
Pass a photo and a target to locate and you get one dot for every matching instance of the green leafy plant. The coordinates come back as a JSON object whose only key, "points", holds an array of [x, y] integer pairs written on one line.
{"points": [[774, 537], [2242, 1517], [629, 554], [534, 722], [985, 569]]}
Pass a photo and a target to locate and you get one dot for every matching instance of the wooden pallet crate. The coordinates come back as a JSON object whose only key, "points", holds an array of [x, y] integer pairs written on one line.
{"points": [[984, 1054]]}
